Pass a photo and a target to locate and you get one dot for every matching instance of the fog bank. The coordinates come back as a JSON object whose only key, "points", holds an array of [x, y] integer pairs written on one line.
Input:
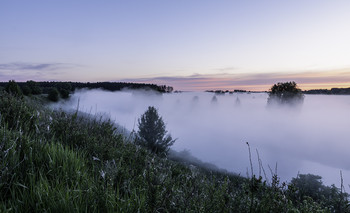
{"points": [[314, 139]]}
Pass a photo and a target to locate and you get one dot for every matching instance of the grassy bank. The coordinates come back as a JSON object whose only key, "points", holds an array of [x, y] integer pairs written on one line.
{"points": [[54, 161]]}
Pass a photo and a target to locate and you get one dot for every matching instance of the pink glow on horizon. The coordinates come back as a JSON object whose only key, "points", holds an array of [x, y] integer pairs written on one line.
{"points": [[254, 82]]}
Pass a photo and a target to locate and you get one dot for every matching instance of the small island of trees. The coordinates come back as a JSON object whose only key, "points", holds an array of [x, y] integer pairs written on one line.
{"points": [[285, 94]]}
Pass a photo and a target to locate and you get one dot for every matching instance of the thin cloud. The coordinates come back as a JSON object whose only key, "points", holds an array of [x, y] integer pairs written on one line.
{"points": [[35, 66], [225, 69], [35, 71]]}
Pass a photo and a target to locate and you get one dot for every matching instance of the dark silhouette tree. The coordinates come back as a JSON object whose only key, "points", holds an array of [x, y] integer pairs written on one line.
{"points": [[308, 185], [64, 88], [26, 90], [13, 88], [152, 133], [64, 93], [34, 87], [285, 93], [53, 94]]}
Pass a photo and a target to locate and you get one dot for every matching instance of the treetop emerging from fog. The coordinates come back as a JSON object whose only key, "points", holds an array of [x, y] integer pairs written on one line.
{"points": [[285, 93]]}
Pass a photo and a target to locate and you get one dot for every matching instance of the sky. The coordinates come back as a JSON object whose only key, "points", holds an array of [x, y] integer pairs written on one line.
{"points": [[188, 44]]}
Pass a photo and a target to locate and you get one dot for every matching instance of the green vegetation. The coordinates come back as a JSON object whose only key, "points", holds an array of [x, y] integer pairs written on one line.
{"points": [[152, 133], [57, 90], [13, 88], [45, 86], [64, 88], [55, 161], [285, 94], [53, 94], [311, 185], [34, 87], [333, 91]]}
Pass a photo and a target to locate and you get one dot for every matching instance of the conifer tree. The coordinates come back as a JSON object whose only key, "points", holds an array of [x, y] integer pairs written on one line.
{"points": [[152, 133]]}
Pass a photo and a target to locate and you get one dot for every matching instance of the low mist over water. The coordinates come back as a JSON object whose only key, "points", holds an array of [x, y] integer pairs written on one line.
{"points": [[313, 139]]}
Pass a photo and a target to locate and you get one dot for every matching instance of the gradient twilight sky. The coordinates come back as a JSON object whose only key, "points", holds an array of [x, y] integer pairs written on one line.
{"points": [[188, 44]]}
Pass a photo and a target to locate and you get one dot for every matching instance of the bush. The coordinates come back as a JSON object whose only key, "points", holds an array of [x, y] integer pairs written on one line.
{"points": [[64, 93], [53, 94], [308, 186], [64, 88], [26, 90], [34, 87], [152, 133], [13, 88]]}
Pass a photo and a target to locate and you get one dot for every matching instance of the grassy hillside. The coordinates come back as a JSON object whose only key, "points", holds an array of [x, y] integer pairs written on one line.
{"points": [[54, 161]]}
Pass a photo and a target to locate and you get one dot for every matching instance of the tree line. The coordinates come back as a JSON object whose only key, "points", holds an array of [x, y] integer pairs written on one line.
{"points": [[333, 91], [56, 90]]}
